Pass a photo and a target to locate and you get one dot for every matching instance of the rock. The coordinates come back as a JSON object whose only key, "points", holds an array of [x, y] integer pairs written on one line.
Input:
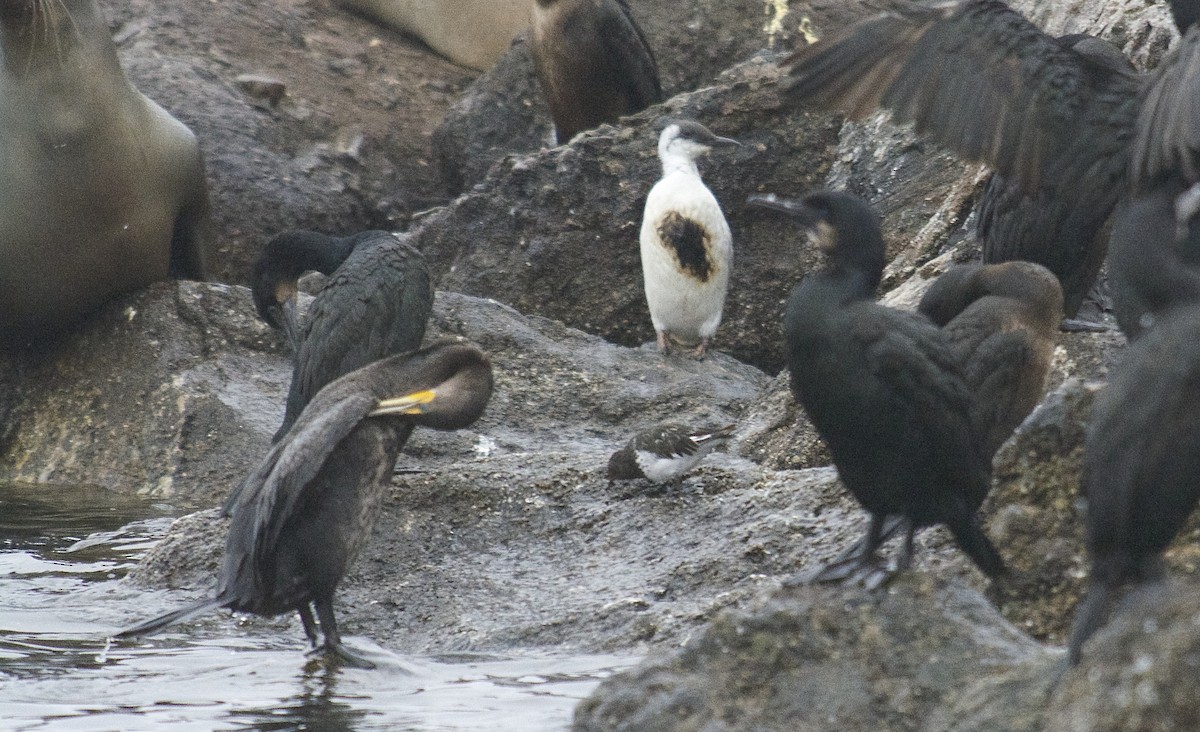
{"points": [[504, 111], [169, 392], [822, 658], [1139, 672]]}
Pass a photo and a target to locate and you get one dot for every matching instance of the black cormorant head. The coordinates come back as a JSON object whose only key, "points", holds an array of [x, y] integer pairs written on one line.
{"points": [[287, 256], [840, 224], [686, 138], [445, 386]]}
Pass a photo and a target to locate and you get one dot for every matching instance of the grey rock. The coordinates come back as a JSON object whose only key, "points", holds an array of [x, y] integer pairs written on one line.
{"points": [[820, 658], [169, 392]]}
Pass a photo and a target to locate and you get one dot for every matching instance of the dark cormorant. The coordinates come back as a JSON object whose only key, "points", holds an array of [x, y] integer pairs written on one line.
{"points": [[1046, 226], [1073, 130], [665, 452], [1154, 257], [883, 390], [593, 62], [685, 242], [1000, 321], [304, 513], [376, 303], [1141, 471]]}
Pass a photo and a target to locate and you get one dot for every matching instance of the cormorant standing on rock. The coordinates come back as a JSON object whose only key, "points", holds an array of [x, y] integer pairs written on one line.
{"points": [[665, 452], [1075, 132], [305, 512], [376, 303], [1000, 322], [882, 389], [593, 63], [1141, 470], [686, 245]]}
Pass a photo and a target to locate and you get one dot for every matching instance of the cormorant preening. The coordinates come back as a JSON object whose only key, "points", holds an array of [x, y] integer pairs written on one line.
{"points": [[593, 63], [1141, 470], [376, 303], [665, 452], [1071, 129], [686, 245], [304, 513], [883, 390], [1000, 322]]}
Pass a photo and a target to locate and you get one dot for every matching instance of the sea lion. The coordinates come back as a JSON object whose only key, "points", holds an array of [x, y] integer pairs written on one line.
{"points": [[472, 33], [101, 190]]}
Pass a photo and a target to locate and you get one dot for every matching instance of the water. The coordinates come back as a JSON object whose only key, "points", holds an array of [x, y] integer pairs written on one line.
{"points": [[62, 552]]}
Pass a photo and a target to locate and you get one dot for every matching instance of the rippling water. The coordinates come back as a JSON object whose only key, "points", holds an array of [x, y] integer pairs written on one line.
{"points": [[62, 552]]}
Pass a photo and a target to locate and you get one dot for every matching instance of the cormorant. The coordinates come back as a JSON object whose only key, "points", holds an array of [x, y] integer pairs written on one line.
{"points": [[1000, 322], [1073, 130], [665, 452], [1154, 259], [376, 303], [308, 508], [883, 390], [1047, 226], [686, 245], [593, 63], [1141, 470]]}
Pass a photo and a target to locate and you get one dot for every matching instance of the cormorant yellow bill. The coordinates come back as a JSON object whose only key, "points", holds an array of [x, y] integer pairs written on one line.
{"points": [[407, 404]]}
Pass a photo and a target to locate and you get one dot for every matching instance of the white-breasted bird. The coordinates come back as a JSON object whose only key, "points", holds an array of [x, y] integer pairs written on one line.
{"points": [[687, 249], [665, 452]]}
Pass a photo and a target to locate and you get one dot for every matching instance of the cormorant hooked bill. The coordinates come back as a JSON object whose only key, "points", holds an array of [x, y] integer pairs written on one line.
{"points": [[593, 62], [308, 508], [1141, 470], [982, 80], [665, 452], [883, 390], [376, 303], [686, 245]]}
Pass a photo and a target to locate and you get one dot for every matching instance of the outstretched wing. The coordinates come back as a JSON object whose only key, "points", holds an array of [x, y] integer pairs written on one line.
{"points": [[980, 79], [1168, 125]]}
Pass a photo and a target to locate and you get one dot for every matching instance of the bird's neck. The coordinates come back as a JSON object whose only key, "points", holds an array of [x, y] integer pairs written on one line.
{"points": [[674, 162]]}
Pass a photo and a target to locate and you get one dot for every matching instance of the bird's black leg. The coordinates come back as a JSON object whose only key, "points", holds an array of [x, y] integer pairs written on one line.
{"points": [[847, 566], [310, 625], [1087, 618], [333, 640]]}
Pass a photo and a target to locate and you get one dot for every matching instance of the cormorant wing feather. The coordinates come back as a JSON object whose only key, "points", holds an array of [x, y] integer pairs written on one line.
{"points": [[980, 79], [1168, 125], [355, 320], [623, 39], [922, 386], [280, 482]]}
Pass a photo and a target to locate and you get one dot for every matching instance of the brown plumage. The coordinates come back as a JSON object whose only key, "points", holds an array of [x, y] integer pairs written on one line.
{"points": [[593, 63], [1000, 321]]}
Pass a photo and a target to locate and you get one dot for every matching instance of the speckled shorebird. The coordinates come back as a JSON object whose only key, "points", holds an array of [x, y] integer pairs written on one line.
{"points": [[665, 452], [687, 248]]}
